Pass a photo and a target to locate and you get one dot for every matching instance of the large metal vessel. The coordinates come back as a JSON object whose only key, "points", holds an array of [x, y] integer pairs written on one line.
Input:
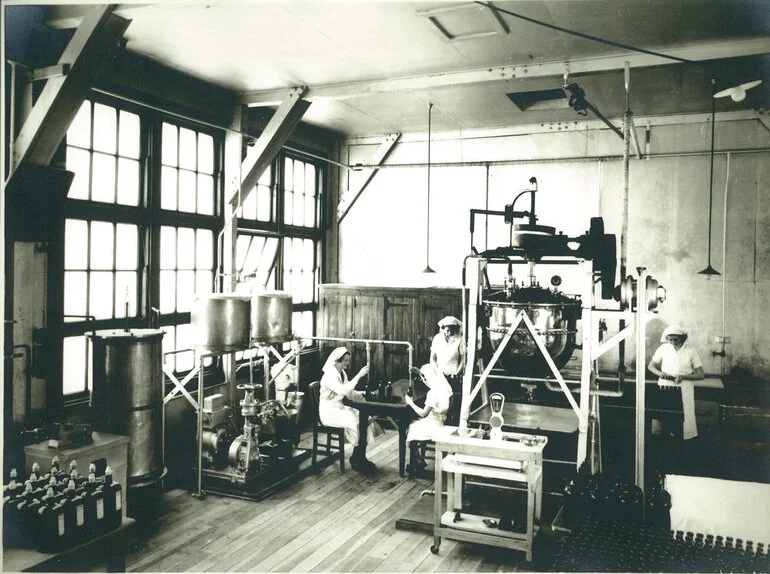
{"points": [[271, 317], [554, 316], [221, 322], [127, 396]]}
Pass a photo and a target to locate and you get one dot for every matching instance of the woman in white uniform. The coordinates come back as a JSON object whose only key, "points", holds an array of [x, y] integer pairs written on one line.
{"points": [[432, 416], [447, 355], [677, 365], [334, 387]]}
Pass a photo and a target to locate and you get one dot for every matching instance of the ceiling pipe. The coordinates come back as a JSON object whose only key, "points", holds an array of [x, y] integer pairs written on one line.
{"points": [[427, 227]]}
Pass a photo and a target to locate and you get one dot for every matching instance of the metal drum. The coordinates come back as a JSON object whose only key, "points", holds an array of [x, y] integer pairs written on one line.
{"points": [[221, 322], [127, 396], [553, 315], [271, 317]]}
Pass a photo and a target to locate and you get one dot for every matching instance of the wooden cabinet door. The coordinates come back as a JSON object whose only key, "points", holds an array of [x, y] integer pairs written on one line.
{"points": [[366, 313], [401, 316]]}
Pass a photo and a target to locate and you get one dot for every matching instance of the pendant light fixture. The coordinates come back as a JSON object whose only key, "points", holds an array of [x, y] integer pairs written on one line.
{"points": [[709, 270], [427, 226]]}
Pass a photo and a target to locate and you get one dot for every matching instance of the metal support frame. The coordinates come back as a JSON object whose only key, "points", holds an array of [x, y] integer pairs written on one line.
{"points": [[269, 143], [346, 201], [588, 408], [61, 98]]}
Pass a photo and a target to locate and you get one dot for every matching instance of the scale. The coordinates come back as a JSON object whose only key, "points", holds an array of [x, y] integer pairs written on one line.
{"points": [[496, 402]]}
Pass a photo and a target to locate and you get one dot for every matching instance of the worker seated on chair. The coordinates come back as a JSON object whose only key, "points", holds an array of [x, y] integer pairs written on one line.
{"points": [[334, 387], [432, 416]]}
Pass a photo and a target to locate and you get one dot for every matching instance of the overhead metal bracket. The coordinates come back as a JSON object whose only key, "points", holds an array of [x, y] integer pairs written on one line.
{"points": [[269, 143], [48, 72], [86, 53], [347, 200]]}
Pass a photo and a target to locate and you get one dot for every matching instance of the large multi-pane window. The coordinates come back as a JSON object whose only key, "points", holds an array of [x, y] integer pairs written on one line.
{"points": [[143, 227], [102, 255]]}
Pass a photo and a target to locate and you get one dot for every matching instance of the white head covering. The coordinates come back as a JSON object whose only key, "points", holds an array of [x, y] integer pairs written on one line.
{"points": [[672, 330], [437, 382], [449, 320], [334, 356]]}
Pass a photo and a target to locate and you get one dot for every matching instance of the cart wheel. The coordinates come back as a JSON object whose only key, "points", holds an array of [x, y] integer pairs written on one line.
{"points": [[434, 549]]}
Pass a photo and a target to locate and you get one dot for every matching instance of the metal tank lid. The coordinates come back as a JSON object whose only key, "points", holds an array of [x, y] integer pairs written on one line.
{"points": [[224, 296], [131, 334], [268, 293]]}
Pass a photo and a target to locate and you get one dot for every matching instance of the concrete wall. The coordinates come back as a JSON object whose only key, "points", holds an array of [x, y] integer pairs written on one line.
{"points": [[382, 240]]}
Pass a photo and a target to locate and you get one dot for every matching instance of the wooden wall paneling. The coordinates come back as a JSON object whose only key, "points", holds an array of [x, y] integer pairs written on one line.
{"points": [[366, 322], [401, 316]]}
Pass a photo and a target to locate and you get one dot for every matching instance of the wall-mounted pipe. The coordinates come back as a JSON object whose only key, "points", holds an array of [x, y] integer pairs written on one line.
{"points": [[723, 351]]}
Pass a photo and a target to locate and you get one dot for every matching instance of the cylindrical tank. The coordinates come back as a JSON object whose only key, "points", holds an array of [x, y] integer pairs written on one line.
{"points": [[221, 321], [127, 396], [271, 317], [553, 315]]}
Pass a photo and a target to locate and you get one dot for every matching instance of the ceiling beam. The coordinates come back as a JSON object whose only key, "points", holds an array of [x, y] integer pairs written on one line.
{"points": [[348, 199], [696, 53], [269, 143], [86, 53]]}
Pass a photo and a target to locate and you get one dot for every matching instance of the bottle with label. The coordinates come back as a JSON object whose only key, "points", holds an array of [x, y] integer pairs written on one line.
{"points": [[58, 472], [94, 505], [74, 515], [34, 476], [113, 501], [11, 520]]}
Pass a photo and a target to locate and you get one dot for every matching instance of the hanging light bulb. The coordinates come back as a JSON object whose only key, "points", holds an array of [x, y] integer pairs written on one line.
{"points": [[709, 270]]}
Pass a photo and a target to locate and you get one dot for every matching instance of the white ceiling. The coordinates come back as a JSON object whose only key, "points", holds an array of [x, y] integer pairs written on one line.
{"points": [[343, 51]]}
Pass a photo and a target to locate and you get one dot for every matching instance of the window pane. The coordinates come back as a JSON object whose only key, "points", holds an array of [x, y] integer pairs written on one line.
{"points": [[102, 245], [185, 291], [128, 182], [75, 294], [75, 244], [126, 246], [185, 248], [203, 282], [128, 137], [75, 363], [309, 179], [249, 206], [299, 209], [104, 178], [187, 153], [310, 211], [288, 171], [299, 177], [205, 153], [205, 194], [79, 163], [167, 291], [204, 249], [241, 249], [125, 291], [167, 247], [168, 188], [79, 132], [186, 191], [169, 142], [288, 207], [264, 203], [105, 128], [100, 295]]}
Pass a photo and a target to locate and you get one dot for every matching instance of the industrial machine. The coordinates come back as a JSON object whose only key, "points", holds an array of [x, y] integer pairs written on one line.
{"points": [[525, 332]]}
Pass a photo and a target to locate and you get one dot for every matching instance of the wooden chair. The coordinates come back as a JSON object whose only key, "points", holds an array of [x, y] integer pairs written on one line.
{"points": [[335, 436]]}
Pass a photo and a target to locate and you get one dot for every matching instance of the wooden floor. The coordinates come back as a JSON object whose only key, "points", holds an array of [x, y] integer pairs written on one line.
{"points": [[326, 522]]}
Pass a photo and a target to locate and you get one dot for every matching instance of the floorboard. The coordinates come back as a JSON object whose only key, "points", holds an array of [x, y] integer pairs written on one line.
{"points": [[329, 521]]}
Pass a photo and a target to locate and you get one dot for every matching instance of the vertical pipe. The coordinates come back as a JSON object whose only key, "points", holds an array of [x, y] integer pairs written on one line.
{"points": [[266, 370], [641, 353], [486, 207], [199, 410], [427, 227], [724, 264]]}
